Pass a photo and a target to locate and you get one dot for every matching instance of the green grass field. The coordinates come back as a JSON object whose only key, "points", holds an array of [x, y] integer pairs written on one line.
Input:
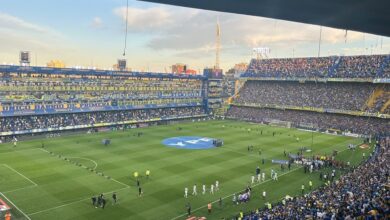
{"points": [[45, 186]]}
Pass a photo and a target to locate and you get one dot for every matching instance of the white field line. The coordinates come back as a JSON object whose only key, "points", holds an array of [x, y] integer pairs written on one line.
{"points": [[22, 188], [179, 216], [16, 206], [119, 182], [74, 202], [43, 150], [83, 158], [20, 174], [60, 206], [15, 151], [96, 165]]}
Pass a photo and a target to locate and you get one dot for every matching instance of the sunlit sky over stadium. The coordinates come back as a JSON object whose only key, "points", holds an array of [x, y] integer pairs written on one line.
{"points": [[91, 33]]}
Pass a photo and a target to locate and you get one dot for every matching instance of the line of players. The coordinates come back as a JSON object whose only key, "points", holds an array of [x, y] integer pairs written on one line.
{"points": [[260, 176], [213, 188]]}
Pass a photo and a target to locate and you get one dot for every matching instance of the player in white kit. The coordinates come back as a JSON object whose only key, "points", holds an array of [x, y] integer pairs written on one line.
{"points": [[185, 192], [194, 190]]}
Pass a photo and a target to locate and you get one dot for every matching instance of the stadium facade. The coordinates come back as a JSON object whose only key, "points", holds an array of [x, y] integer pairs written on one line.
{"points": [[41, 99], [333, 94]]}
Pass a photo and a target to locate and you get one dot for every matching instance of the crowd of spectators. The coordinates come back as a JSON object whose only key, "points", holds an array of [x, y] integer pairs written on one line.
{"points": [[364, 66], [362, 193], [21, 123], [291, 67], [343, 96], [19, 92], [74, 96], [359, 66], [323, 121]]}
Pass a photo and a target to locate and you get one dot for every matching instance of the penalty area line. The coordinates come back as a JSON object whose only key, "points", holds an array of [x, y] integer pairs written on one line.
{"points": [[123, 184], [43, 150], [20, 174], [18, 189], [74, 202]]}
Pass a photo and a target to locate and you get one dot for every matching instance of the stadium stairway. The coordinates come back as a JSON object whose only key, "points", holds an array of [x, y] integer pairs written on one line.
{"points": [[239, 86], [378, 92], [385, 106], [335, 66]]}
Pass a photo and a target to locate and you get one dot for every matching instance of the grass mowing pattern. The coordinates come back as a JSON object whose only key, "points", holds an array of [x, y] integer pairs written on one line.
{"points": [[65, 186]]}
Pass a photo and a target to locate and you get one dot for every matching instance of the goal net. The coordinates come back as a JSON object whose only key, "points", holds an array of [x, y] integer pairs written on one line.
{"points": [[279, 123], [308, 126]]}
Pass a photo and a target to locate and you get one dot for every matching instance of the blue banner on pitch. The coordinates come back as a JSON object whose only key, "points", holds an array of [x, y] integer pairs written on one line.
{"points": [[189, 142]]}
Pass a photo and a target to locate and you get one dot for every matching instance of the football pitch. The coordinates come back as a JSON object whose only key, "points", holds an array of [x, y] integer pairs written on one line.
{"points": [[58, 180]]}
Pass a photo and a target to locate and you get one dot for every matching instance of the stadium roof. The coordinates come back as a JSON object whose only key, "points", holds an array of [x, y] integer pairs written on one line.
{"points": [[359, 15]]}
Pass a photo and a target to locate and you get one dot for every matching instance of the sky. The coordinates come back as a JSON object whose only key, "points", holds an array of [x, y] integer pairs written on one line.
{"points": [[92, 34]]}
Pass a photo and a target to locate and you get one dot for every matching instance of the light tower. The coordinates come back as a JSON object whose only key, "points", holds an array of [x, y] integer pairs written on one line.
{"points": [[217, 45], [24, 58]]}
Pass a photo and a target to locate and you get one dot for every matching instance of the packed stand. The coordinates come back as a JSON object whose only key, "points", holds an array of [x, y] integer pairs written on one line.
{"points": [[359, 66], [322, 121], [365, 66], [386, 70], [22, 123], [290, 67], [27, 92], [362, 193], [342, 96]]}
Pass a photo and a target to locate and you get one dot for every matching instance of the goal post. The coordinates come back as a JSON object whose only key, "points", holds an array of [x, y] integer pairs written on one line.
{"points": [[279, 123]]}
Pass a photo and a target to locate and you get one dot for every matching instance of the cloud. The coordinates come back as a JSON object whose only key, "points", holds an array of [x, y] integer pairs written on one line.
{"points": [[189, 35], [17, 24], [188, 30], [144, 18], [8, 21], [97, 23], [17, 34]]}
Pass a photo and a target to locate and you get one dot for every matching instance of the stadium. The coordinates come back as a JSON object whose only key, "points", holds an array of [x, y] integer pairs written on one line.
{"points": [[280, 138]]}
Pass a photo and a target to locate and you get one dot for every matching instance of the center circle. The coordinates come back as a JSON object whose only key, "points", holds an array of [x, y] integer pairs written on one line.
{"points": [[189, 142]]}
